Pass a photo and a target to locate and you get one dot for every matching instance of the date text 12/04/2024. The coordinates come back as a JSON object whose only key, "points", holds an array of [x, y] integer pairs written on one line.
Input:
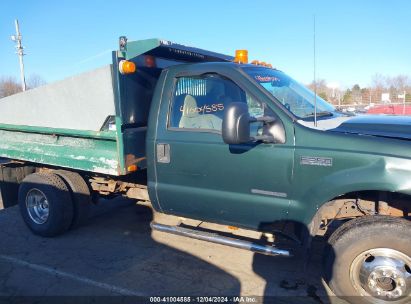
{"points": [[205, 299]]}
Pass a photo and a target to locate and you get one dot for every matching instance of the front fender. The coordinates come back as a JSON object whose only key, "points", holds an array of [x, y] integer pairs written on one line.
{"points": [[373, 173]]}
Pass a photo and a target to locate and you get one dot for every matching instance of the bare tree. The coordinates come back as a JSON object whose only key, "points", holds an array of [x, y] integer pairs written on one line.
{"points": [[321, 85], [9, 86], [400, 82], [35, 81], [395, 86], [378, 86], [379, 81], [322, 90]]}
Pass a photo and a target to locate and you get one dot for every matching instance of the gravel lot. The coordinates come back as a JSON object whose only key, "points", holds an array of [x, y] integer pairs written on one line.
{"points": [[116, 253]]}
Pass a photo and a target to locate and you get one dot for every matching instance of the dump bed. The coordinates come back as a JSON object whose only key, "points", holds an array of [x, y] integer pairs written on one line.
{"points": [[62, 123], [95, 121]]}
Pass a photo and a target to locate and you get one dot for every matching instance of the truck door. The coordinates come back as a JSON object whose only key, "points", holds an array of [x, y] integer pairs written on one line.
{"points": [[197, 175]]}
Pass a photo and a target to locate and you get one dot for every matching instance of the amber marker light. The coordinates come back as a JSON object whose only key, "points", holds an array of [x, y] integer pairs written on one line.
{"points": [[132, 168], [127, 67], [241, 56]]}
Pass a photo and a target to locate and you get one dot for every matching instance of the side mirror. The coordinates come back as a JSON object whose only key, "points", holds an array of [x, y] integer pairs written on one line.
{"points": [[236, 124]]}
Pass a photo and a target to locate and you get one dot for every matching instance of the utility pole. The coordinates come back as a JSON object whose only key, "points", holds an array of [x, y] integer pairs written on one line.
{"points": [[370, 96], [20, 53], [403, 108]]}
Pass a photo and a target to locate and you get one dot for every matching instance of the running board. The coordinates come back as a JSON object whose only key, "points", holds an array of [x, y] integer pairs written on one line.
{"points": [[219, 239]]}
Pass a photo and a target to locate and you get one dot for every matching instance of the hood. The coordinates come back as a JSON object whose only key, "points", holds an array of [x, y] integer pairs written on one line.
{"points": [[378, 125]]}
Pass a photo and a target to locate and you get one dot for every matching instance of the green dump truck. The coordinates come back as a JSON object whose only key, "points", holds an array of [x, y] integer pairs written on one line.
{"points": [[210, 137]]}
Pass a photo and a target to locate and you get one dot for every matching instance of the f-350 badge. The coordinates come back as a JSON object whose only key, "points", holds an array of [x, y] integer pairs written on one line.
{"points": [[316, 161]]}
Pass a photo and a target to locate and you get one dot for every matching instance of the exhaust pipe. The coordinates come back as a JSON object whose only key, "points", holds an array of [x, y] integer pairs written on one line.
{"points": [[218, 239]]}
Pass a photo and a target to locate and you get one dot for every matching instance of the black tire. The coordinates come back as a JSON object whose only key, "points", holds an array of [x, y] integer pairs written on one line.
{"points": [[359, 240], [80, 194], [60, 205]]}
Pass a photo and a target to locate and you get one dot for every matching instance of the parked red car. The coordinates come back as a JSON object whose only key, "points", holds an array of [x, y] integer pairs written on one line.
{"points": [[391, 110]]}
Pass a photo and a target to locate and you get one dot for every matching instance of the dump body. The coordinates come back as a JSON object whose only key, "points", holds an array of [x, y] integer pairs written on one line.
{"points": [[62, 124], [95, 121]]}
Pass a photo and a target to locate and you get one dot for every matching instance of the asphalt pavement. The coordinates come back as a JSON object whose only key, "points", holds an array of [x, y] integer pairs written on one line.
{"points": [[117, 254]]}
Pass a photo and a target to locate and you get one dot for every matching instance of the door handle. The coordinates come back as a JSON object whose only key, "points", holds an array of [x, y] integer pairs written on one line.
{"points": [[163, 153]]}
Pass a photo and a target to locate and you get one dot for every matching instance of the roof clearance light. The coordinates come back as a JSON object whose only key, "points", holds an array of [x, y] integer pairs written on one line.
{"points": [[127, 67], [241, 56], [262, 63]]}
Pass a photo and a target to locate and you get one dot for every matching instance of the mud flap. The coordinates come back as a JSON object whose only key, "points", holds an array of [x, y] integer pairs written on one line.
{"points": [[11, 175]]}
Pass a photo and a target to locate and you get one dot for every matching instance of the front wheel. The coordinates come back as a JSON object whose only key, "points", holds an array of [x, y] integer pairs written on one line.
{"points": [[368, 260]]}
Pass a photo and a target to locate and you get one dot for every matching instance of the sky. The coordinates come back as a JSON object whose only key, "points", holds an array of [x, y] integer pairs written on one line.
{"points": [[354, 39]]}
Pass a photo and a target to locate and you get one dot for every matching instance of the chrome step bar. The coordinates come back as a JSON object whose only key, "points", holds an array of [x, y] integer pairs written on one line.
{"points": [[219, 239]]}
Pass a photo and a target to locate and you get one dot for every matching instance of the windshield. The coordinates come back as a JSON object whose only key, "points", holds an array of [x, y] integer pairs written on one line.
{"points": [[295, 97]]}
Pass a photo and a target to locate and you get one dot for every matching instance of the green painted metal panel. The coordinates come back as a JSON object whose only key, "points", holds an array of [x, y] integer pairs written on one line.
{"points": [[170, 50], [87, 151], [58, 131], [135, 48], [120, 147], [356, 163]]}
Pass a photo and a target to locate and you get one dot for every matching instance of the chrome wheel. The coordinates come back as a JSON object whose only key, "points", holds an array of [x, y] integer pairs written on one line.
{"points": [[37, 206], [382, 273]]}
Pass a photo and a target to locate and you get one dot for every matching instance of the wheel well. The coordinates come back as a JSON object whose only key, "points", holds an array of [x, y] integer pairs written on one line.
{"points": [[361, 203]]}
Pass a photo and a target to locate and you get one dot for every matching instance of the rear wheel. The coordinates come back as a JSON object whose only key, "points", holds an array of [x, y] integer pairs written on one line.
{"points": [[369, 260], [80, 194], [45, 204]]}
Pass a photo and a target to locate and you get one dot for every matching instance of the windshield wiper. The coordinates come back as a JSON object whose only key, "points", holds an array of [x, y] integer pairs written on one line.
{"points": [[319, 114]]}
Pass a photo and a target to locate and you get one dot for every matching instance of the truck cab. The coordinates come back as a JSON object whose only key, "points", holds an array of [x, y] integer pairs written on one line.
{"points": [[285, 164]]}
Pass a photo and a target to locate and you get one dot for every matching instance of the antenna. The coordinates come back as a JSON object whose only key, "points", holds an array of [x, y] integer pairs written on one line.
{"points": [[20, 53], [315, 80]]}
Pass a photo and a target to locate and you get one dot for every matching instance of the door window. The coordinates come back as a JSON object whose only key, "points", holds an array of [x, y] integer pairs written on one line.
{"points": [[199, 102]]}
